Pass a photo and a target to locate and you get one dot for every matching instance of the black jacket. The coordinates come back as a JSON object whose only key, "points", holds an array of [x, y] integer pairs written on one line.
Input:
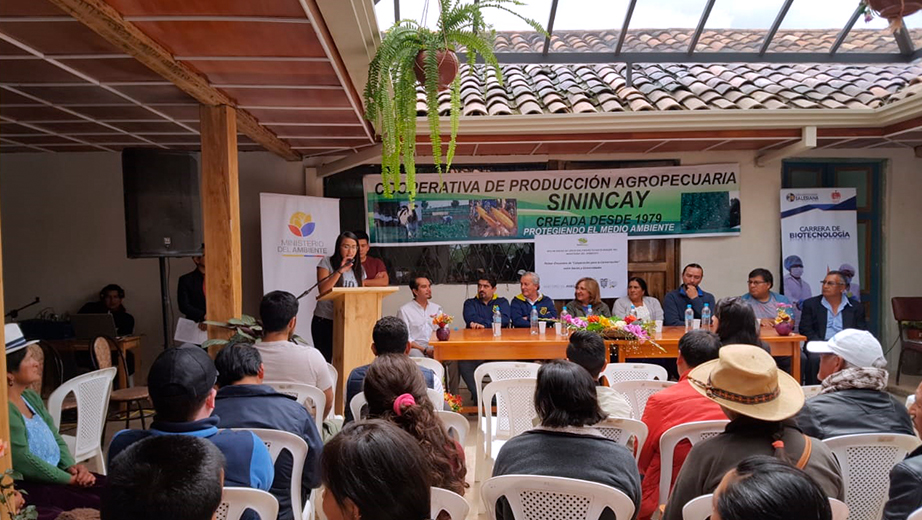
{"points": [[813, 318], [191, 295], [905, 487], [847, 412], [124, 322]]}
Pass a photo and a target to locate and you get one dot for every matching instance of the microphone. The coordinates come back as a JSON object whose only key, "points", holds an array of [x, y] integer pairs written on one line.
{"points": [[348, 263]]}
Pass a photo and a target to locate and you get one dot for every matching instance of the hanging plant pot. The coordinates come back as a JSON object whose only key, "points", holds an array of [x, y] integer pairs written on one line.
{"points": [[448, 67], [894, 9]]}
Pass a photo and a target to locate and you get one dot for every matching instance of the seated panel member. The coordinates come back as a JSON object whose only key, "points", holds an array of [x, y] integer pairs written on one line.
{"points": [[689, 293], [417, 314], [586, 293], [520, 308], [478, 314], [761, 298], [824, 316]]}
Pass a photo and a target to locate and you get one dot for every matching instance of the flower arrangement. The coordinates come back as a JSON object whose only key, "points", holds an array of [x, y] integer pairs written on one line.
{"points": [[784, 313], [627, 328], [454, 401], [10, 499], [442, 320]]}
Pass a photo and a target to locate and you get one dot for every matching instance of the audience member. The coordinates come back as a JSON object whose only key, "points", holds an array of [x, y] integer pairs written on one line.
{"points": [[48, 476], [243, 401], [825, 315], [181, 384], [566, 445], [760, 402], [647, 307], [587, 349], [586, 294], [110, 302], [284, 360], [761, 298], [689, 293], [179, 477], [417, 314], [373, 470], [678, 404], [854, 397], [478, 314], [520, 307], [765, 488], [736, 323], [374, 268], [339, 270], [795, 287], [906, 477], [190, 291], [389, 337], [396, 392]]}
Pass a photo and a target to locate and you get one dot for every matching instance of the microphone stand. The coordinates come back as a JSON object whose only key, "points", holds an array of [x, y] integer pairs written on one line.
{"points": [[327, 277]]}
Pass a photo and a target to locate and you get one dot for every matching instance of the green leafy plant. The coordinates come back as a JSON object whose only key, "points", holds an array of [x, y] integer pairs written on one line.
{"points": [[8, 497], [390, 93]]}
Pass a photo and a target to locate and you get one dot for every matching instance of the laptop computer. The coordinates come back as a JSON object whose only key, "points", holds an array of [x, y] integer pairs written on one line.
{"points": [[88, 326]]}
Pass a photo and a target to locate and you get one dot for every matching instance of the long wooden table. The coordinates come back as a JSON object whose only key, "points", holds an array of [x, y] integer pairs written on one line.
{"points": [[515, 344]]}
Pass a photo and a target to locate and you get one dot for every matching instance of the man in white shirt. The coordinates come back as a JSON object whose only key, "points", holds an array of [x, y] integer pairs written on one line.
{"points": [[418, 314], [285, 361]]}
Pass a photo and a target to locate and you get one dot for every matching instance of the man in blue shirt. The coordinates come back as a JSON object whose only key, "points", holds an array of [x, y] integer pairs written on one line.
{"points": [[520, 308], [478, 314], [825, 315], [181, 384], [689, 293], [762, 299]]}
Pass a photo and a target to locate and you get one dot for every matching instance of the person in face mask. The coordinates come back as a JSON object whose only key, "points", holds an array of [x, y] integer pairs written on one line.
{"points": [[795, 287], [852, 290]]}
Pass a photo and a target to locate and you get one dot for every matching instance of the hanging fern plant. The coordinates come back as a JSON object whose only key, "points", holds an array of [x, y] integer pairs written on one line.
{"points": [[409, 54]]}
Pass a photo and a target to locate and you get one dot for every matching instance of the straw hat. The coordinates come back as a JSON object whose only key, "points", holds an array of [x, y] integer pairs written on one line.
{"points": [[745, 379]]}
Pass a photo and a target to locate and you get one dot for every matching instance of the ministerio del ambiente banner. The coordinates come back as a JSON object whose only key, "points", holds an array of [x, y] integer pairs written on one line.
{"points": [[485, 207]]}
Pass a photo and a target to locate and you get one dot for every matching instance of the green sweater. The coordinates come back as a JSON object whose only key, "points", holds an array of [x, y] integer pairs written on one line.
{"points": [[28, 465]]}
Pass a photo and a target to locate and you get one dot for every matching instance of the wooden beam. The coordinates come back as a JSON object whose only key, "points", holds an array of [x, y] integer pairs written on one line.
{"points": [[368, 155], [807, 142], [105, 21], [221, 216], [6, 462]]}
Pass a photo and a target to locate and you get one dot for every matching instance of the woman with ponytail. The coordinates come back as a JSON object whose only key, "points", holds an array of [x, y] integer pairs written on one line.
{"points": [[396, 392], [760, 402]]}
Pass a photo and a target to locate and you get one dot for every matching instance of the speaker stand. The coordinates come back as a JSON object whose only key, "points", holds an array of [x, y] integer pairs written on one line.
{"points": [[165, 303]]}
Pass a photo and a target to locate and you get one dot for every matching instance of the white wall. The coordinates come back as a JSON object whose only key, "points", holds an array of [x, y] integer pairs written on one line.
{"points": [[63, 235]]}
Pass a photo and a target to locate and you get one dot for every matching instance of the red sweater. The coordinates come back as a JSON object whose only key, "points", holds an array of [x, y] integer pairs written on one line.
{"points": [[678, 404]]}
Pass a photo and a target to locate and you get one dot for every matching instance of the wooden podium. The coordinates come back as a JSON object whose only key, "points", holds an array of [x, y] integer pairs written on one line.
{"points": [[355, 312]]}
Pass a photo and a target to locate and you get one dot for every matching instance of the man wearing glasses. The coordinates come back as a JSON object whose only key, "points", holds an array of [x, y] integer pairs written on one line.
{"points": [[761, 298], [824, 316]]}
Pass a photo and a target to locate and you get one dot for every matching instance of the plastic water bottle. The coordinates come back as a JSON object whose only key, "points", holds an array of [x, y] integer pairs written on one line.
{"points": [[706, 317], [497, 321], [633, 311], [689, 318], [589, 310], [534, 319]]}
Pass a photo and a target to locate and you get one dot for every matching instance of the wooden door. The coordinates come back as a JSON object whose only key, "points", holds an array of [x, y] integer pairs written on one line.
{"points": [[654, 260]]}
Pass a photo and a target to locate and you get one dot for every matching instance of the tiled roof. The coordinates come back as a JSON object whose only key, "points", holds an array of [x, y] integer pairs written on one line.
{"points": [[720, 40], [588, 88]]}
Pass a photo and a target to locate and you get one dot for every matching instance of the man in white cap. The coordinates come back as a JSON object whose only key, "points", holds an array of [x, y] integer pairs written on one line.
{"points": [[854, 398]]}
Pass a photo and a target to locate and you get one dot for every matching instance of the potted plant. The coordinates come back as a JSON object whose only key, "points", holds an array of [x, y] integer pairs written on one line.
{"points": [[893, 10], [411, 53], [442, 321]]}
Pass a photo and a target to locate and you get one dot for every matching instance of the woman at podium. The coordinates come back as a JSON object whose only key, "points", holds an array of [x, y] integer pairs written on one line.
{"points": [[346, 273]]}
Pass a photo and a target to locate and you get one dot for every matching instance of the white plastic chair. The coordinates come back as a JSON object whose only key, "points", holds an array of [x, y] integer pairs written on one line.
{"points": [[312, 398], [615, 372], [499, 371], [356, 404], [448, 501], [515, 414], [455, 422], [92, 393], [910, 400], [694, 432], [334, 374], [276, 441], [438, 399], [431, 364], [237, 500], [811, 390], [702, 507], [622, 430], [637, 393], [866, 460], [916, 515], [537, 497]]}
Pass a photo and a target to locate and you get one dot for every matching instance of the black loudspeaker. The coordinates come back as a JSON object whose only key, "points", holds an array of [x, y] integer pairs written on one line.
{"points": [[163, 211]]}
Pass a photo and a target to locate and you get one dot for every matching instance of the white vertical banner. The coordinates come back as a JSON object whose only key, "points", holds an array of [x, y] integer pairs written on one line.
{"points": [[819, 233], [561, 260], [297, 231]]}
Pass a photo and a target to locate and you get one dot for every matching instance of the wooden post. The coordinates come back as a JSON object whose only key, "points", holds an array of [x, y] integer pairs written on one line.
{"points": [[6, 462], [221, 216]]}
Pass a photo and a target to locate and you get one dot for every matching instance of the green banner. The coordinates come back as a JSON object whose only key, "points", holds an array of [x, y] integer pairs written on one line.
{"points": [[483, 207]]}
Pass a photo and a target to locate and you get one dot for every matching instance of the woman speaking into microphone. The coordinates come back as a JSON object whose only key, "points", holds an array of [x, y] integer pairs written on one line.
{"points": [[346, 273]]}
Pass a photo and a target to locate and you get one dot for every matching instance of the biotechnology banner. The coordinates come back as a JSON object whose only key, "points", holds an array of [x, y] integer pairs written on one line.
{"points": [[561, 260], [677, 201], [819, 233], [296, 233]]}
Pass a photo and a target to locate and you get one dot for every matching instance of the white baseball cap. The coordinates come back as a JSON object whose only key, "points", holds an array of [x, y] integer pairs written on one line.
{"points": [[858, 347]]}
